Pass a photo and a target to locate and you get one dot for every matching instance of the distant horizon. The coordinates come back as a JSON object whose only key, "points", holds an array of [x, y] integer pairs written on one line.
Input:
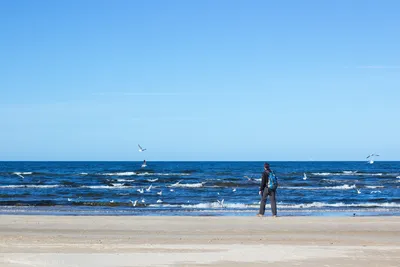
{"points": [[261, 161]]}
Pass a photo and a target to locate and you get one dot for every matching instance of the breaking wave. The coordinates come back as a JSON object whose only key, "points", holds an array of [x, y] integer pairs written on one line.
{"points": [[339, 187]]}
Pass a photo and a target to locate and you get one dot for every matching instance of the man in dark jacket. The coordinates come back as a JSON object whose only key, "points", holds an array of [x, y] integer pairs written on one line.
{"points": [[264, 192]]}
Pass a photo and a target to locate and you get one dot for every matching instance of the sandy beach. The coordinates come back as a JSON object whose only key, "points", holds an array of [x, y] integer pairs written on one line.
{"points": [[199, 241]]}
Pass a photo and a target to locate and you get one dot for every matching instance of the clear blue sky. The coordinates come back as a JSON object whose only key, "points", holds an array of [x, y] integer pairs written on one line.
{"points": [[199, 80]]}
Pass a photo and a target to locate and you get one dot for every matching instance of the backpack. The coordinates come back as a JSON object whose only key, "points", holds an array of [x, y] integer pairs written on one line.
{"points": [[272, 181]]}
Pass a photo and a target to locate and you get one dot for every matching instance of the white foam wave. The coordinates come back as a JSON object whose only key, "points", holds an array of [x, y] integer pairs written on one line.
{"points": [[374, 186], [117, 186], [125, 180], [83, 173], [119, 173], [375, 192], [345, 173], [342, 205], [22, 173], [350, 172], [152, 180], [398, 177], [164, 174], [339, 187], [214, 205], [178, 184], [142, 174], [30, 186]]}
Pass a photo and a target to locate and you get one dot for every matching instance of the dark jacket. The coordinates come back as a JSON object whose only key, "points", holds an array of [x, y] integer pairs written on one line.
{"points": [[264, 180]]}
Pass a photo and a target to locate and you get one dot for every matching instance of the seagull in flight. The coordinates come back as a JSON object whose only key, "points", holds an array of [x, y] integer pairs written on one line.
{"points": [[159, 201], [305, 176], [221, 203], [141, 149], [19, 174], [358, 191], [371, 161], [133, 203], [148, 189], [140, 190], [159, 193], [234, 189]]}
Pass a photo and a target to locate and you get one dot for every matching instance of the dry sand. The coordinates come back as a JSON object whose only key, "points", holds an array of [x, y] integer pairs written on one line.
{"points": [[198, 241]]}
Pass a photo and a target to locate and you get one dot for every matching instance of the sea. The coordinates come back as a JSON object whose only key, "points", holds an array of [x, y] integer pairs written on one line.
{"points": [[198, 188]]}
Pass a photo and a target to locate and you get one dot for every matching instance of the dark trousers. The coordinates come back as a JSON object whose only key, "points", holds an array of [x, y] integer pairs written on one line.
{"points": [[272, 198]]}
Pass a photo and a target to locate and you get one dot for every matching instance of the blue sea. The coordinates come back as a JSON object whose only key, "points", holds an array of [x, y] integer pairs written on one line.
{"points": [[198, 188]]}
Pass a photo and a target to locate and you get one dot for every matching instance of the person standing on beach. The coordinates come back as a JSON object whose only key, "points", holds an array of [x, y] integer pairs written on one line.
{"points": [[265, 192]]}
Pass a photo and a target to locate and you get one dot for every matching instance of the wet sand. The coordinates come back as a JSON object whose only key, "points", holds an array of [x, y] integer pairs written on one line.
{"points": [[198, 241]]}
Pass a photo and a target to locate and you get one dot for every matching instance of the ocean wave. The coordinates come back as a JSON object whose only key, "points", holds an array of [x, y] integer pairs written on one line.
{"points": [[346, 173], [374, 186], [31, 186], [196, 185], [22, 173], [375, 192], [119, 173], [342, 205], [213, 205], [217, 205], [125, 180], [350, 172], [112, 186], [142, 174], [339, 187]]}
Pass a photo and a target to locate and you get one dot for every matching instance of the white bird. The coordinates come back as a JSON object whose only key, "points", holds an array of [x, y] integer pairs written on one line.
{"points": [[143, 201], [159, 201], [133, 203], [234, 189], [218, 193], [148, 189], [358, 191], [159, 193], [221, 203], [372, 155], [171, 190], [372, 158], [69, 199], [19, 174], [141, 149], [112, 201], [141, 190], [305, 176]]}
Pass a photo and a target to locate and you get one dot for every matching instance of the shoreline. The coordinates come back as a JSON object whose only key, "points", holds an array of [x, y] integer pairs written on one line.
{"points": [[198, 241], [177, 212]]}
